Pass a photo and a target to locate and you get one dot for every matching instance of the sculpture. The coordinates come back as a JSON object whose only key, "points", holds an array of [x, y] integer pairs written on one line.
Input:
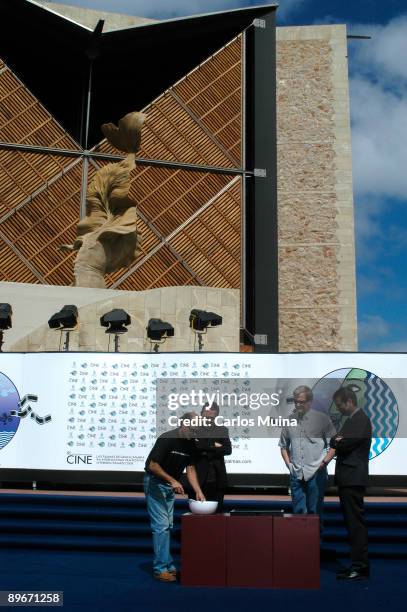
{"points": [[107, 238]]}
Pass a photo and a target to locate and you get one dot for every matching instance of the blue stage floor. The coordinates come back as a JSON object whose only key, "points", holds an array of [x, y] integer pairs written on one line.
{"points": [[99, 581]]}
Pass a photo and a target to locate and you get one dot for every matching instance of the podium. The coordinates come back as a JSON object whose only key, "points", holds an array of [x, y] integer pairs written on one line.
{"points": [[296, 558], [249, 544], [203, 549], [250, 551]]}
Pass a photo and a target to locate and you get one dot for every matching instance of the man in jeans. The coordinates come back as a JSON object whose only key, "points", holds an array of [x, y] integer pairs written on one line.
{"points": [[173, 452], [304, 449]]}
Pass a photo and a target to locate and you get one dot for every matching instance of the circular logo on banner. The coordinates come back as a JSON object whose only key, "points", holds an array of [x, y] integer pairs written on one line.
{"points": [[9, 400], [374, 396]]}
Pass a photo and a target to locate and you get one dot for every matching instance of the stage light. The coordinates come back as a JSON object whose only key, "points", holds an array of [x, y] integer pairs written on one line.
{"points": [[115, 321], [64, 321], [158, 331], [201, 320], [66, 318], [5, 320], [5, 316]]}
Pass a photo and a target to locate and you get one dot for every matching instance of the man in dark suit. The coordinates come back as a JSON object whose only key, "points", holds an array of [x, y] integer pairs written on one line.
{"points": [[352, 447], [212, 444]]}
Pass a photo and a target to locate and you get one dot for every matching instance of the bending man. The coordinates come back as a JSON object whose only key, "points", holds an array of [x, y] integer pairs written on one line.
{"points": [[172, 453]]}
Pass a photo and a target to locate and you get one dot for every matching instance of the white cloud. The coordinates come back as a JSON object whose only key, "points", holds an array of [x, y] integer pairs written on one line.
{"points": [[379, 110], [368, 286], [368, 212], [400, 346], [378, 97], [382, 333], [377, 334], [372, 326], [385, 55], [164, 9], [379, 137]]}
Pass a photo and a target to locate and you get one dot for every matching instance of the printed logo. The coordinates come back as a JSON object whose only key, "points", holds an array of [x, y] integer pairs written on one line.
{"points": [[12, 410], [9, 401], [374, 397]]}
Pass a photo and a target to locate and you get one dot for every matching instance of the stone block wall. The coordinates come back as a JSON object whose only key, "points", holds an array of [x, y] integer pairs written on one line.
{"points": [[317, 293]]}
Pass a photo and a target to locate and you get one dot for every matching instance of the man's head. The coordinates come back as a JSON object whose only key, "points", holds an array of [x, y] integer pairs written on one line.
{"points": [[210, 412], [345, 400], [186, 430], [302, 399]]}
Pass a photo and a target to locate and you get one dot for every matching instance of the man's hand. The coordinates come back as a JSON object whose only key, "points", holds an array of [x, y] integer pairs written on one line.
{"points": [[337, 439], [286, 458], [217, 445], [177, 486], [200, 496], [327, 459]]}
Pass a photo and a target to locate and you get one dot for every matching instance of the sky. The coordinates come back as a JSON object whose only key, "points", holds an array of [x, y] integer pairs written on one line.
{"points": [[378, 97]]}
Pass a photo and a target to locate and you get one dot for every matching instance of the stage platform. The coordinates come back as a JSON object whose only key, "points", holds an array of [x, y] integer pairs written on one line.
{"points": [[69, 520], [96, 548], [391, 495], [95, 581]]}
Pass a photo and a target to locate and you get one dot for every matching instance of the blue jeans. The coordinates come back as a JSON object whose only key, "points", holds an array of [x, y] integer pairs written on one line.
{"points": [[160, 506], [308, 496]]}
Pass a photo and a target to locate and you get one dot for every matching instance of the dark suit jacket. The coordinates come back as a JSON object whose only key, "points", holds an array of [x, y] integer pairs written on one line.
{"points": [[209, 454], [352, 452]]}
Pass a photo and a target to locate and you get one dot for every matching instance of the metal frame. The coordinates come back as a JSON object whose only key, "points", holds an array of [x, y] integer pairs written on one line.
{"points": [[261, 239], [243, 283], [141, 161]]}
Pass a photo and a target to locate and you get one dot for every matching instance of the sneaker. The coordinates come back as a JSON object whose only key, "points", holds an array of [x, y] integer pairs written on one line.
{"points": [[165, 577], [344, 571], [354, 574]]}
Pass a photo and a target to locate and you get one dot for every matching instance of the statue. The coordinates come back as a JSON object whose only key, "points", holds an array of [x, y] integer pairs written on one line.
{"points": [[107, 238]]}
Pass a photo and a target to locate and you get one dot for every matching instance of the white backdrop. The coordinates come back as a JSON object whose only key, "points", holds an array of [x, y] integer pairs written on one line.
{"points": [[103, 405]]}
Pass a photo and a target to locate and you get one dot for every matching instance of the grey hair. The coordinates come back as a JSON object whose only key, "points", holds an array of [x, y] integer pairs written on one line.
{"points": [[304, 389], [187, 416]]}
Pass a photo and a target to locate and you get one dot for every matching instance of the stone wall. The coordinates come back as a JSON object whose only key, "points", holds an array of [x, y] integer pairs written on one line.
{"points": [[317, 295], [33, 305]]}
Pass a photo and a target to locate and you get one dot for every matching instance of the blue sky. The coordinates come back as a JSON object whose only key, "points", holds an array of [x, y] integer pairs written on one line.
{"points": [[378, 93]]}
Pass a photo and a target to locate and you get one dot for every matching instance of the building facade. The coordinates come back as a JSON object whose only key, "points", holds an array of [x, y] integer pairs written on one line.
{"points": [[192, 221]]}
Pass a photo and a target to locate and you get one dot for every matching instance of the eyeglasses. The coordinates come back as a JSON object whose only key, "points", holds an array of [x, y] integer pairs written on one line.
{"points": [[300, 402]]}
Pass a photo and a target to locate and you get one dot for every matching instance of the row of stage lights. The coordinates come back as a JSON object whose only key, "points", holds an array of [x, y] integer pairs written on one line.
{"points": [[116, 322]]}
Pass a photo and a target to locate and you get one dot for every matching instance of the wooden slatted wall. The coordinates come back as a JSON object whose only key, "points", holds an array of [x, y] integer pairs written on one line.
{"points": [[190, 221]]}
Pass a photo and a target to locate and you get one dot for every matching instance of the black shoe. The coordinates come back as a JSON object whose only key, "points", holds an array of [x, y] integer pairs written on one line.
{"points": [[343, 572], [353, 574]]}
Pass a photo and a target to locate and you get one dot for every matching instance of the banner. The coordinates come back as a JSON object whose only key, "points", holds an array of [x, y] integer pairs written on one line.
{"points": [[102, 411]]}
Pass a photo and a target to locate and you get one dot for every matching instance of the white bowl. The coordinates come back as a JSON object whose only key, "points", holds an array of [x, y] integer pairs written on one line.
{"points": [[202, 507]]}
